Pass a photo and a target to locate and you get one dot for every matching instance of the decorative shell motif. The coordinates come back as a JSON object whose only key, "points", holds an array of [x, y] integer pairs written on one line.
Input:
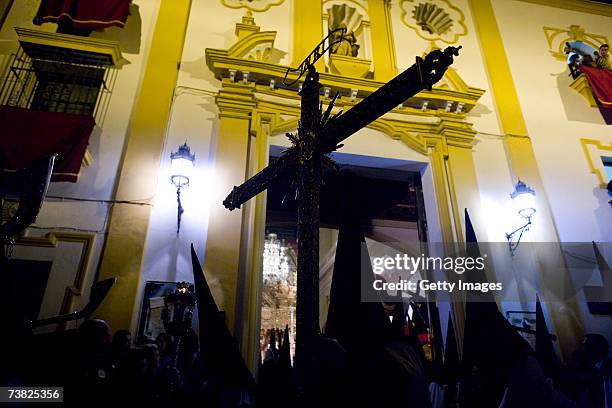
{"points": [[343, 13], [434, 20], [431, 18]]}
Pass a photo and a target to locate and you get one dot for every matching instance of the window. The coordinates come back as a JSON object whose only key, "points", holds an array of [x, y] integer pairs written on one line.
{"points": [[607, 162], [56, 79]]}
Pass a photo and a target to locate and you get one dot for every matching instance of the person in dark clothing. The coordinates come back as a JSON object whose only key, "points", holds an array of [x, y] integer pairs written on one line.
{"points": [[120, 347], [165, 347], [122, 341], [93, 373], [582, 380]]}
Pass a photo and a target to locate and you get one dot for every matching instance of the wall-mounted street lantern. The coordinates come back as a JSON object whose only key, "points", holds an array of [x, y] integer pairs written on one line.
{"points": [[182, 170], [523, 198]]}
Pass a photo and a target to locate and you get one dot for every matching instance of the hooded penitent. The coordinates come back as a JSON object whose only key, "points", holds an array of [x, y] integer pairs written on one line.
{"points": [[382, 364], [221, 358], [349, 320], [545, 350], [606, 278], [451, 354], [490, 345]]}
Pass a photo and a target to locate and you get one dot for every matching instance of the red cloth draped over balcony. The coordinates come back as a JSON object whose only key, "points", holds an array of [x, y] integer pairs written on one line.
{"points": [[91, 14], [600, 81], [27, 135]]}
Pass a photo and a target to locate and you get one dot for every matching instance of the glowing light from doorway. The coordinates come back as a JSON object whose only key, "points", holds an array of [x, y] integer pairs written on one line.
{"points": [[275, 259]]}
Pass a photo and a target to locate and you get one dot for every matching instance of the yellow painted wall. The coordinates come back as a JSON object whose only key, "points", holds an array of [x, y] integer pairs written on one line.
{"points": [[194, 119], [96, 181], [129, 224], [469, 64], [557, 117]]}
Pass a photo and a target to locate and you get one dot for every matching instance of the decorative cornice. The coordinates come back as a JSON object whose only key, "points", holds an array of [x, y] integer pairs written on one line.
{"points": [[437, 143], [72, 42], [582, 6], [236, 100], [252, 89], [457, 131], [261, 72], [448, 129]]}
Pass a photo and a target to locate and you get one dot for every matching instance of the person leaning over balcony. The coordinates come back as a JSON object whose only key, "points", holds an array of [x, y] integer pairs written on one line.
{"points": [[602, 58]]}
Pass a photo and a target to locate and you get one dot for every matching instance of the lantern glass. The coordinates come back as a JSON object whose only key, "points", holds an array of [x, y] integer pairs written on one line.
{"points": [[523, 198], [182, 162], [525, 204], [182, 170]]}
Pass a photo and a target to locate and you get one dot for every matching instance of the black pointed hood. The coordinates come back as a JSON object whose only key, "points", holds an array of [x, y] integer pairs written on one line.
{"points": [[349, 320], [451, 352], [285, 350], [470, 234], [490, 343], [218, 348], [606, 274], [545, 349], [472, 249], [484, 321]]}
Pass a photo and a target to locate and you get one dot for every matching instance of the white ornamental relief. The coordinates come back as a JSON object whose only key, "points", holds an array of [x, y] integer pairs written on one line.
{"points": [[253, 5]]}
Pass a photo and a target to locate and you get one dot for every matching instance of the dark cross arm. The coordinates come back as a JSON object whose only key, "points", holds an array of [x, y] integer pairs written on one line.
{"points": [[262, 180], [421, 75]]}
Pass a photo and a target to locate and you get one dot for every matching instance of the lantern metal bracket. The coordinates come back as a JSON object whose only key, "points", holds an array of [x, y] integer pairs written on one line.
{"points": [[180, 180], [180, 210], [527, 213], [513, 246]]}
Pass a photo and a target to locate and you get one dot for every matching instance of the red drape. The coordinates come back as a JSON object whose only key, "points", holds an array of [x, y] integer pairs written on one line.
{"points": [[26, 135], [600, 81], [91, 14]]}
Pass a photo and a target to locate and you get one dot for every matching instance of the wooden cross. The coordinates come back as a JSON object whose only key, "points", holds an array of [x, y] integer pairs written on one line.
{"points": [[320, 133]]}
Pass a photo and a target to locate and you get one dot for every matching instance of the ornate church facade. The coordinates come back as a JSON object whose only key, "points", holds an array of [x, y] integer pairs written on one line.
{"points": [[212, 74]]}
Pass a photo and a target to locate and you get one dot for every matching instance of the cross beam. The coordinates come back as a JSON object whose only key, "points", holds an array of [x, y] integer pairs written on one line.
{"points": [[319, 134], [422, 75]]}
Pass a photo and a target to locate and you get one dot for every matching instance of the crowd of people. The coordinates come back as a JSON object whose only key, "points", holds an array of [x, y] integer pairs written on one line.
{"points": [[498, 369], [94, 366]]}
